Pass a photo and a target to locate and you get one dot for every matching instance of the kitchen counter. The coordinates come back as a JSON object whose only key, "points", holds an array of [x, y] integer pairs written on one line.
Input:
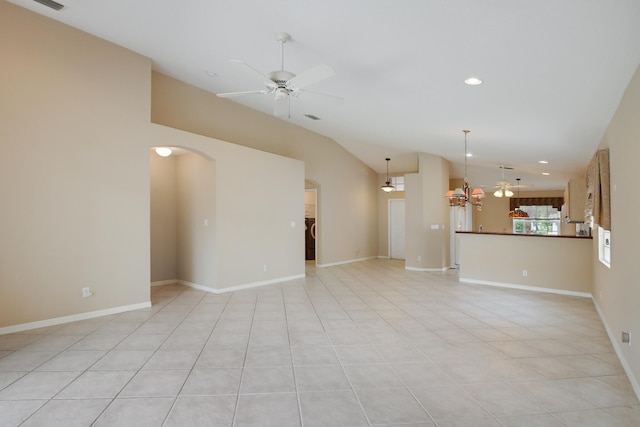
{"points": [[557, 264], [524, 235]]}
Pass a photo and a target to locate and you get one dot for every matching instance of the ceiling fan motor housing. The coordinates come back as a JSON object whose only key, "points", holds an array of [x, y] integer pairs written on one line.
{"points": [[280, 77]]}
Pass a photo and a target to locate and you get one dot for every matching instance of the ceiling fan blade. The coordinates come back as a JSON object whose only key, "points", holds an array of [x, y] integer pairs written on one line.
{"points": [[246, 92], [281, 106], [322, 97], [311, 76], [252, 73]]}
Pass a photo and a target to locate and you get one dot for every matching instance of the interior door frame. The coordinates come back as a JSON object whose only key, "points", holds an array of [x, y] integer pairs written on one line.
{"points": [[315, 213]]}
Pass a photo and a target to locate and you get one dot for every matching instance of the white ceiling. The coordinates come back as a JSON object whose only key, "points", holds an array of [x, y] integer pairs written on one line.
{"points": [[553, 71]]}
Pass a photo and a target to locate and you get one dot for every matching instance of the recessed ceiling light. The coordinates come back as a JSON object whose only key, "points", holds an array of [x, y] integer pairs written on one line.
{"points": [[469, 155], [543, 162], [546, 173], [473, 81]]}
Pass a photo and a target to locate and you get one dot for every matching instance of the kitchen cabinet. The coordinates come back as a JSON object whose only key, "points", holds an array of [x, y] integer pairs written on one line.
{"points": [[574, 200]]}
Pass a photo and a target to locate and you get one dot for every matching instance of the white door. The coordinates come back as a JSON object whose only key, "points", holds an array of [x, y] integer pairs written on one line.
{"points": [[396, 228]]}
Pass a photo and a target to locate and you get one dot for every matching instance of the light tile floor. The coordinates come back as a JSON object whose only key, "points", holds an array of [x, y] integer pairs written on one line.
{"points": [[355, 345]]}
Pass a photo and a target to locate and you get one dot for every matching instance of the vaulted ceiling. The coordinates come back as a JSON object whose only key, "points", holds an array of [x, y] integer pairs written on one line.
{"points": [[553, 71]]}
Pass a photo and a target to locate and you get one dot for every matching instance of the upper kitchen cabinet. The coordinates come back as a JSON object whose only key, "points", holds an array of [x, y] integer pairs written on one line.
{"points": [[574, 200]]}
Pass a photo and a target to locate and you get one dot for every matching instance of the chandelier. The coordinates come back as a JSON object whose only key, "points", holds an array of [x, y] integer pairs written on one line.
{"points": [[463, 195]]}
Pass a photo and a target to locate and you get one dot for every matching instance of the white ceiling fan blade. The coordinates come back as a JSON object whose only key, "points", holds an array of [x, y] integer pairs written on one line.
{"points": [[281, 106], [246, 92], [322, 97], [311, 76], [252, 73]]}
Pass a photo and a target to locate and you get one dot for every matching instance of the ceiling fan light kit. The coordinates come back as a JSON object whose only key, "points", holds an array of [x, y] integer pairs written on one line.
{"points": [[284, 84], [503, 192], [503, 187]]}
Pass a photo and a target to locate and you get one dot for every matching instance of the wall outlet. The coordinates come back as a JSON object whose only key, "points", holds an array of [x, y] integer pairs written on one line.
{"points": [[419, 257], [86, 292], [525, 273], [626, 338], [265, 267]]}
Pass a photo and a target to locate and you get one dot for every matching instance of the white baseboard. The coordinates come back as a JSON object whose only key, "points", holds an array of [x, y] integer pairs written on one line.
{"points": [[164, 282], [526, 288], [72, 318], [239, 287], [426, 269], [616, 346], [346, 262]]}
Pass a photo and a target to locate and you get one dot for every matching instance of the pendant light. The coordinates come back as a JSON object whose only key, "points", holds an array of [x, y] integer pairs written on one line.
{"points": [[463, 195], [387, 187], [517, 212]]}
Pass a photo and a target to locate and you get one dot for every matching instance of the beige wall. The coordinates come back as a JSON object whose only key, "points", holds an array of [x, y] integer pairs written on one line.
{"points": [[347, 188], [75, 182], [249, 220], [553, 263], [427, 247], [617, 290], [196, 220], [164, 234], [74, 171]]}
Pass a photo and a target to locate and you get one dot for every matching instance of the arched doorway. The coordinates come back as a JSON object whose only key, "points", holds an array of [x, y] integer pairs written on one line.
{"points": [[182, 218]]}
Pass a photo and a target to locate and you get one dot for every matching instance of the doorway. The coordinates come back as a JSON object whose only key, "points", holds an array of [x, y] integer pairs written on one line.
{"points": [[310, 222], [182, 218], [396, 229]]}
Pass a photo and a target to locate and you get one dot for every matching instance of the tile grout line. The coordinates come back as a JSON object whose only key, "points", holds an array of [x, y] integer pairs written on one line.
{"points": [[175, 401]]}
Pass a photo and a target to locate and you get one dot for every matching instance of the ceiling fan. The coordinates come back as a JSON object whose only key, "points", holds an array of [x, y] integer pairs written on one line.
{"points": [[504, 187], [284, 84]]}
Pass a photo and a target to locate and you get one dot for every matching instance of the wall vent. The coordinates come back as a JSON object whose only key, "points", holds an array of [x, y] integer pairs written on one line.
{"points": [[50, 3]]}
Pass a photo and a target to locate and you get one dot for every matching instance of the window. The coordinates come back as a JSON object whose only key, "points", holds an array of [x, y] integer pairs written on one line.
{"points": [[397, 182], [547, 227], [544, 219]]}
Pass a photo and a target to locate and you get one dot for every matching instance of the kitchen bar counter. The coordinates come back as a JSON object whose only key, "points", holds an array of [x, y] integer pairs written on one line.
{"points": [[526, 235], [558, 264]]}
